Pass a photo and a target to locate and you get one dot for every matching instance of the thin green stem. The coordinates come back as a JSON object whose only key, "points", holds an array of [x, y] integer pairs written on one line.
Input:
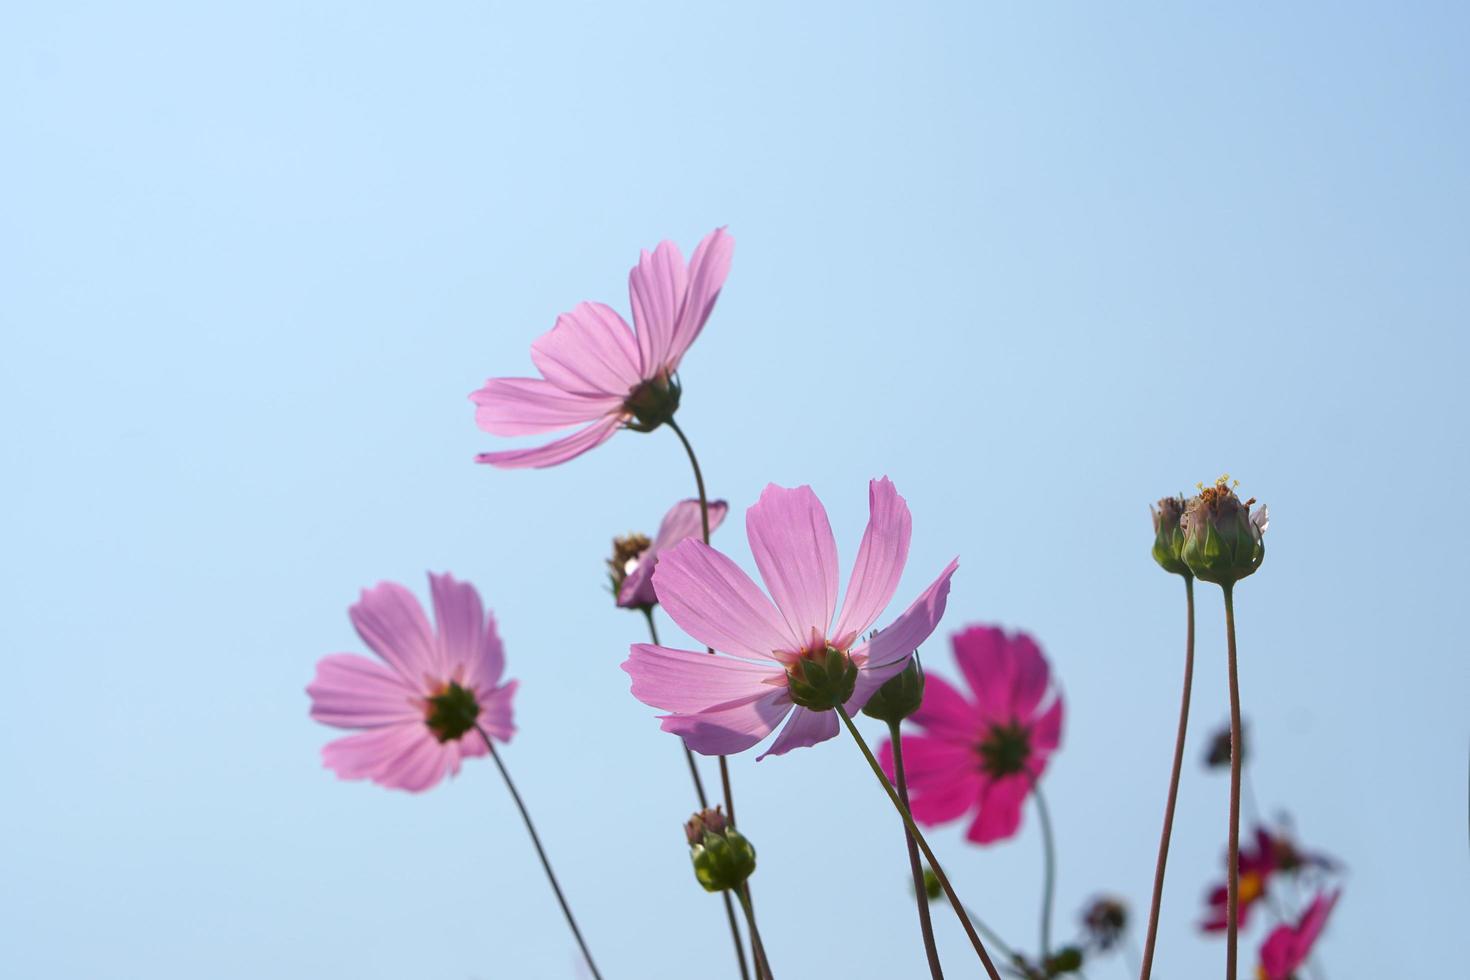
{"points": [[698, 478], [1049, 878], [918, 835], [762, 964], [540, 852], [926, 927], [1232, 878], [1158, 894]]}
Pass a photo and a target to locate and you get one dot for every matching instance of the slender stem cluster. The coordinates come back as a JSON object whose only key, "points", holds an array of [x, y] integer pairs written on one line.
{"points": [[926, 927]]}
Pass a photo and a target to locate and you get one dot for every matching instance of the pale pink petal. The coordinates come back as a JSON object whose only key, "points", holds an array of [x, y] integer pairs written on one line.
{"points": [[460, 619], [496, 717], [1000, 810], [363, 756], [908, 632], [730, 728], [880, 561], [589, 351], [1029, 676], [708, 268], [1046, 732], [804, 727], [716, 603], [559, 451], [684, 681], [350, 691], [656, 286], [391, 622], [797, 557], [946, 712], [419, 768], [985, 658], [526, 406]]}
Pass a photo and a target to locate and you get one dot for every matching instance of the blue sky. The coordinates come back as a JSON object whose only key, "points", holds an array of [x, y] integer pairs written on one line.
{"points": [[1039, 265]]}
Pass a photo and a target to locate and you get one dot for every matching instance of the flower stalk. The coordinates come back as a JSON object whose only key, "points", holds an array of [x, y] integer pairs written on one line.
{"points": [[926, 926]]}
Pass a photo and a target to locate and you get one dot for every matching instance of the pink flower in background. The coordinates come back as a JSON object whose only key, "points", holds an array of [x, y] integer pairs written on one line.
{"points": [[417, 710], [633, 577], [725, 704], [599, 373], [983, 753], [1273, 854], [1288, 947]]}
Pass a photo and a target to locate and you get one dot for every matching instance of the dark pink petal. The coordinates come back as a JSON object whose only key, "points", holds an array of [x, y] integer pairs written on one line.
{"points": [[935, 760], [460, 619], [526, 406], [656, 286], [687, 682], [496, 717], [1314, 920], [682, 521], [946, 712], [943, 779], [1029, 675], [880, 561], [556, 452], [716, 603], [1000, 810], [797, 557], [906, 633], [1046, 733], [590, 351], [984, 656], [730, 728], [804, 727], [350, 691], [391, 622], [708, 268]]}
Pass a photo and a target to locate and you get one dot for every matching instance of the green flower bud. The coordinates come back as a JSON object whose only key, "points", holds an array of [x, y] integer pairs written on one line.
{"points": [[900, 696], [933, 890], [1169, 536], [1068, 959], [822, 681], [721, 856], [1223, 540]]}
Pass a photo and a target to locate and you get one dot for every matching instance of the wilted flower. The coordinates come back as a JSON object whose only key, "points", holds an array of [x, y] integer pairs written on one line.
{"points": [[785, 658], [634, 556], [721, 856], [982, 754], [420, 712], [1288, 947], [1222, 539], [1169, 536], [596, 369], [1217, 752], [1273, 853], [1105, 920]]}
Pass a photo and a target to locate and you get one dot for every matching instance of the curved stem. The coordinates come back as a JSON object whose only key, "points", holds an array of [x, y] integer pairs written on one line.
{"points": [[918, 835], [540, 852], [1232, 877], [698, 477], [1048, 888], [762, 965], [1158, 895], [926, 927]]}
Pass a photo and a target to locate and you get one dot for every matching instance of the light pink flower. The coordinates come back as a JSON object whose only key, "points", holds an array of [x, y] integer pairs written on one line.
{"points": [[682, 521], [596, 369], [984, 753], [1288, 947], [418, 713], [725, 704]]}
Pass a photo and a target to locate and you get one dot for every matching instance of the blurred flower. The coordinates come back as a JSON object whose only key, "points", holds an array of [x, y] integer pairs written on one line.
{"points": [[1105, 920], [1288, 947], [596, 369], [783, 655], [721, 855], [1273, 853], [1169, 536], [982, 754], [437, 687], [1217, 752], [1222, 539], [631, 566]]}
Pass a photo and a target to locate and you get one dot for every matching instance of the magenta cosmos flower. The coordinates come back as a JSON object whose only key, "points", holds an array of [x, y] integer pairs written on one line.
{"points": [[1289, 947], [599, 373], [787, 657], [634, 557], [1273, 855], [418, 710], [984, 753]]}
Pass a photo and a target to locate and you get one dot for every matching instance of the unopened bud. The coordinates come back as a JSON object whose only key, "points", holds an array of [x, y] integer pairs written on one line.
{"points": [[900, 696], [933, 890], [1169, 536], [1223, 540], [1105, 921], [1217, 753], [721, 855]]}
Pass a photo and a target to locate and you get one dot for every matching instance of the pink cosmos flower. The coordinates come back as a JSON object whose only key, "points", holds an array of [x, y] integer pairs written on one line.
{"points": [[598, 372], [418, 710], [774, 654], [1273, 854], [1288, 947], [982, 754], [635, 556]]}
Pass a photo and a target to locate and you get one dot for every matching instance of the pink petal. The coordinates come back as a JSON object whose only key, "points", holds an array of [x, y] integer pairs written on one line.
{"points": [[708, 268], [684, 521], [880, 561], [985, 658], [590, 351], [942, 778], [685, 682], [730, 728], [716, 603], [908, 632], [556, 452], [525, 406], [460, 619], [1000, 810], [1046, 733], [1029, 675], [803, 728], [946, 712], [421, 767], [350, 691], [637, 589], [496, 717], [399, 756], [797, 557], [656, 286], [391, 623]]}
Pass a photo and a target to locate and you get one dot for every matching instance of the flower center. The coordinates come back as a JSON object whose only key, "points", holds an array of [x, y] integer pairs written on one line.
{"points": [[1004, 751], [652, 403], [452, 712], [822, 679]]}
